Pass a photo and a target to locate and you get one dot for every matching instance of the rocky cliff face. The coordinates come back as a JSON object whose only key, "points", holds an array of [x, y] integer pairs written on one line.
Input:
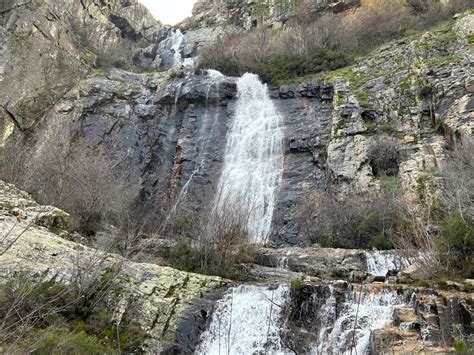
{"points": [[168, 133], [168, 129], [215, 18], [47, 46], [418, 90]]}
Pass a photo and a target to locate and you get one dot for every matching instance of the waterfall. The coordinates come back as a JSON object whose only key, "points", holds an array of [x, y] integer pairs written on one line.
{"points": [[379, 263], [253, 163], [170, 49], [363, 311], [283, 264], [247, 320]]}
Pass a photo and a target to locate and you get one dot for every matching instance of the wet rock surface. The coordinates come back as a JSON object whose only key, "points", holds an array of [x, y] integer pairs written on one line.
{"points": [[319, 262], [169, 132]]}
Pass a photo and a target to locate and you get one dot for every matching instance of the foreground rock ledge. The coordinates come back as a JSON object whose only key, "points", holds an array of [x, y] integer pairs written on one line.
{"points": [[158, 298]]}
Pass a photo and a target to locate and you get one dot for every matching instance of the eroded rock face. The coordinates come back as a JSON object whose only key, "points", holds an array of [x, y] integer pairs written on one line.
{"points": [[319, 262], [419, 90], [160, 299], [46, 46]]}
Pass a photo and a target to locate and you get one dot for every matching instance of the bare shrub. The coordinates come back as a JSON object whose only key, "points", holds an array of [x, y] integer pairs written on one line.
{"points": [[352, 221], [83, 181], [275, 55], [458, 192], [426, 13], [32, 312], [373, 23], [384, 156], [214, 243], [456, 240], [439, 234], [346, 34]]}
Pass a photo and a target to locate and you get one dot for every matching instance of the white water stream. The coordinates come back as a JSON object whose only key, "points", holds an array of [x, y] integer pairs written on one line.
{"points": [[247, 320], [170, 49], [363, 311], [379, 263], [253, 163]]}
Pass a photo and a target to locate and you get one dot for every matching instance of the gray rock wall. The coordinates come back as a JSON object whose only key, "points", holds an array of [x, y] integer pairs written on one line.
{"points": [[169, 135], [46, 46]]}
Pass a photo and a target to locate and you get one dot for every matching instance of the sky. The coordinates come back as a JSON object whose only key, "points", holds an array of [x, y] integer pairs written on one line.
{"points": [[169, 12]]}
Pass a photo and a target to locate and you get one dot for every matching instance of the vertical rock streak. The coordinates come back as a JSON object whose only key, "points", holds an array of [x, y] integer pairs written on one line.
{"points": [[253, 164], [207, 134]]}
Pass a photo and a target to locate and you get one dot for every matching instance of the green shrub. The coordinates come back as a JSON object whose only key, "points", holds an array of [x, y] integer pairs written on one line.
{"points": [[389, 183], [184, 257], [285, 68], [382, 241], [56, 230], [64, 320], [296, 285], [260, 10], [101, 325], [356, 221], [455, 245], [373, 228], [461, 347], [184, 225], [44, 299], [63, 341], [470, 38]]}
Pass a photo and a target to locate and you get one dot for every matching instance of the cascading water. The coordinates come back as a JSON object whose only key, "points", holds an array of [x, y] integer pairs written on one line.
{"points": [[379, 263], [170, 49], [362, 312], [247, 320], [253, 164]]}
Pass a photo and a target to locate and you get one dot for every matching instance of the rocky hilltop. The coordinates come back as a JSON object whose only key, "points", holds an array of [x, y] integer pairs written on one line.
{"points": [[212, 19]]}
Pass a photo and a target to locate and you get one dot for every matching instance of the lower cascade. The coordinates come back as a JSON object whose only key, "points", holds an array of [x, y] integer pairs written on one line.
{"points": [[253, 163], [346, 326], [252, 319], [247, 320]]}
